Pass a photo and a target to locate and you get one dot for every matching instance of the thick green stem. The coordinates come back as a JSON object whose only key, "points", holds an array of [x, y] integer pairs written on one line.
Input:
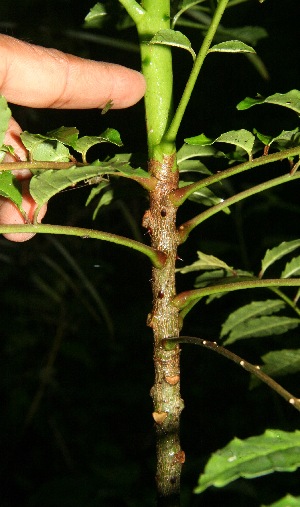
{"points": [[157, 69]]}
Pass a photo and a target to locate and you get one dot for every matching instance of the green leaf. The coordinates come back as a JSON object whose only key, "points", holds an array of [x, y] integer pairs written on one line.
{"points": [[5, 114], [10, 188], [94, 18], [281, 362], [242, 138], [291, 100], [206, 197], [266, 140], [200, 140], [262, 326], [104, 200], [48, 183], [42, 148], [292, 268], [276, 253], [288, 500], [174, 38], [250, 311], [231, 46], [274, 451], [195, 166], [83, 144], [205, 262], [65, 135], [188, 151], [248, 34], [220, 276]]}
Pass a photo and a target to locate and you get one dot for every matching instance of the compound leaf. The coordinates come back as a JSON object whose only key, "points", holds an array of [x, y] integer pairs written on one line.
{"points": [[205, 262], [250, 311], [262, 326], [274, 254], [292, 268], [274, 451]]}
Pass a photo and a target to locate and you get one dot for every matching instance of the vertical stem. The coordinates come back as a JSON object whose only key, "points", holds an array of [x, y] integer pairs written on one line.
{"points": [[164, 319], [157, 69]]}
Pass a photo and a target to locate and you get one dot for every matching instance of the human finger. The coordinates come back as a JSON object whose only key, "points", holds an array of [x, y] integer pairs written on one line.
{"points": [[34, 76]]}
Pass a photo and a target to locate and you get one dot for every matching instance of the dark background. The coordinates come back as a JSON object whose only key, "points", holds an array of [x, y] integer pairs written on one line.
{"points": [[76, 355]]}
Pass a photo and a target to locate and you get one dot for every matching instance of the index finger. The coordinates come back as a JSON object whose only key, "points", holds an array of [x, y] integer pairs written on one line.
{"points": [[34, 76]]}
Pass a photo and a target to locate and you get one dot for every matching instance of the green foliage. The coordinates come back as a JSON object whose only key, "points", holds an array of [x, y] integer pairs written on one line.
{"points": [[288, 500], [274, 451], [173, 38], [290, 100]]}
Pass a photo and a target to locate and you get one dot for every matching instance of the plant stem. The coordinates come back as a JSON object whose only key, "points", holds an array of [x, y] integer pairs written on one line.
{"points": [[157, 69], [171, 134], [185, 298], [160, 219], [181, 194], [255, 370], [187, 227], [157, 258]]}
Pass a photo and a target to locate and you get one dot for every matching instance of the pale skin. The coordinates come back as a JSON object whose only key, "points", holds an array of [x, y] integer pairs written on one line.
{"points": [[34, 76]]}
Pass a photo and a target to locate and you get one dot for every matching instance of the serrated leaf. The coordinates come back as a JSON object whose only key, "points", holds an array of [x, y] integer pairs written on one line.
{"points": [[250, 311], [274, 451], [5, 114], [174, 38], [42, 148], [291, 100], [65, 135], [231, 46], [292, 268], [262, 326], [205, 262], [281, 362], [242, 138], [10, 188], [274, 254], [49, 183], [288, 500], [83, 144]]}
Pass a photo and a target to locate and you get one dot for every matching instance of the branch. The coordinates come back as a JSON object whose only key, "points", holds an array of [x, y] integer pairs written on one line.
{"points": [[169, 343], [185, 298], [134, 9], [185, 229], [180, 195], [157, 258], [171, 134]]}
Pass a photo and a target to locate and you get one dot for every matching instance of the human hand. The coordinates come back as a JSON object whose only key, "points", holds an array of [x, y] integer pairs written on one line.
{"points": [[34, 76]]}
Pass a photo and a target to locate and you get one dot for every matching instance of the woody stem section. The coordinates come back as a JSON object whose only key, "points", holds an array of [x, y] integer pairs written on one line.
{"points": [[164, 320]]}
